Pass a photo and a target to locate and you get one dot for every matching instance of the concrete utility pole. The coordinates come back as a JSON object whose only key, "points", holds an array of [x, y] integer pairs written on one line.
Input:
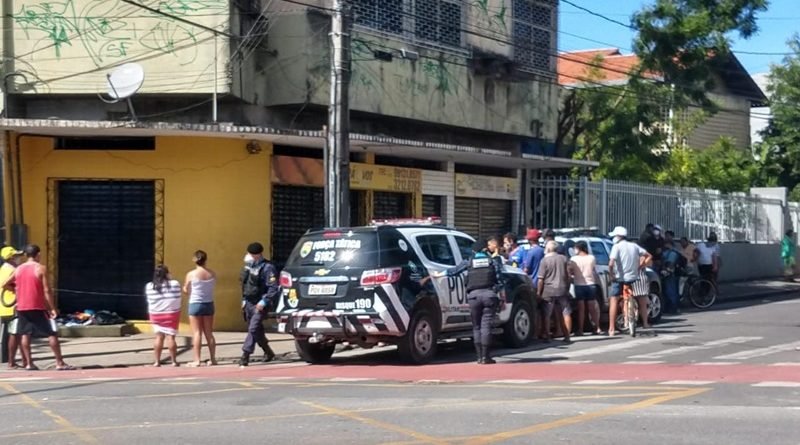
{"points": [[337, 147]]}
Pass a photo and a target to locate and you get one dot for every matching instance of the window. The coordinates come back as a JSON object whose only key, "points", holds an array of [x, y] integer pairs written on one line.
{"points": [[381, 15], [433, 21], [436, 248], [438, 21], [534, 34], [465, 246], [600, 253]]}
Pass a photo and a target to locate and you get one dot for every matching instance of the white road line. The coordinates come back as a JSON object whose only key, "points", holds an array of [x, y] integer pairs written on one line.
{"points": [[513, 382], [599, 382], [620, 346], [708, 345], [687, 382], [23, 379], [786, 364], [350, 379], [715, 363], [760, 352], [777, 385], [643, 362]]}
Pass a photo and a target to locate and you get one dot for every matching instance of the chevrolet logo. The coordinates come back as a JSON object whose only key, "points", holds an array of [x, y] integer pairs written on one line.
{"points": [[321, 272]]}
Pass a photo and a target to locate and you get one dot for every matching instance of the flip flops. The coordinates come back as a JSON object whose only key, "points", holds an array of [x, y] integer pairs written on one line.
{"points": [[32, 368]]}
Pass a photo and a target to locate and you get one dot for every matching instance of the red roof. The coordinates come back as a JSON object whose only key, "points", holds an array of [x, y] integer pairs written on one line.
{"points": [[575, 67]]}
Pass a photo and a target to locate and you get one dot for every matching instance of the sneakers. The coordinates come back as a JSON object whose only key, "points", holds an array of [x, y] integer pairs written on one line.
{"points": [[244, 361]]}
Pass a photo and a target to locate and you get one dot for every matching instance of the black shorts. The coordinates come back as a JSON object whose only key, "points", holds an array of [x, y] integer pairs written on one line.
{"points": [[35, 323], [706, 271]]}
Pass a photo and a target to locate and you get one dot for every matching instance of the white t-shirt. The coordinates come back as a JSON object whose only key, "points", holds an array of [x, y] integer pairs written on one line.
{"points": [[626, 257], [706, 253], [583, 270]]}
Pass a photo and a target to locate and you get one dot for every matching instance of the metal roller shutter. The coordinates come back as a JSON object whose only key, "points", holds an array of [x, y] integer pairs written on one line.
{"points": [[294, 210], [388, 205], [495, 217], [106, 245], [467, 211], [432, 206]]}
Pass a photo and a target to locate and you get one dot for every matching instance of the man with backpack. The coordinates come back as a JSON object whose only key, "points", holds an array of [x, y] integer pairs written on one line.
{"points": [[259, 289]]}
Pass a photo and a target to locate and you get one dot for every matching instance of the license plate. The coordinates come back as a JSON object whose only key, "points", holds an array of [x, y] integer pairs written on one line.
{"points": [[322, 289]]}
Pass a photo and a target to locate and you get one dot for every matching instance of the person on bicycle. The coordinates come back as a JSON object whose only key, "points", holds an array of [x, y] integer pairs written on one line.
{"points": [[626, 261]]}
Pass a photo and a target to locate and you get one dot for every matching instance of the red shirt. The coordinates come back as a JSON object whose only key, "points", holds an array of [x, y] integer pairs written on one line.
{"points": [[29, 288]]}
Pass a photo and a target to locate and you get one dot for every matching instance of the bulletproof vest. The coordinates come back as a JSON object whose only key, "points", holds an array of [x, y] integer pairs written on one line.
{"points": [[252, 282], [480, 273]]}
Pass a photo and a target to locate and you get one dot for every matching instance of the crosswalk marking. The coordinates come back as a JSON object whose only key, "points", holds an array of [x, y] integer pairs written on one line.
{"points": [[778, 385], [708, 345], [599, 382], [687, 382], [621, 346], [760, 352]]}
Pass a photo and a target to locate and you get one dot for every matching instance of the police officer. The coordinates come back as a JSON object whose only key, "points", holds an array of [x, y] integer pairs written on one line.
{"points": [[484, 293], [260, 287]]}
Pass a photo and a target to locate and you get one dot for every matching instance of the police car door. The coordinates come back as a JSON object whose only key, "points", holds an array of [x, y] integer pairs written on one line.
{"points": [[437, 253]]}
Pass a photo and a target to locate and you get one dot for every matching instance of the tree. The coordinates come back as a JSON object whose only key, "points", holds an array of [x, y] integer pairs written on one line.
{"points": [[721, 167], [682, 40], [780, 150]]}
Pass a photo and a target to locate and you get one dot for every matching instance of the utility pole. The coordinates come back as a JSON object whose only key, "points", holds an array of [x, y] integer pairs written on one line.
{"points": [[337, 147]]}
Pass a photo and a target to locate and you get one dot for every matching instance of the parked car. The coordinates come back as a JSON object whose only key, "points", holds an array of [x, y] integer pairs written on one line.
{"points": [[373, 284], [600, 246]]}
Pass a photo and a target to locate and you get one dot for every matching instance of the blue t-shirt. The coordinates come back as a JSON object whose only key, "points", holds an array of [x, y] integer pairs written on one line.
{"points": [[533, 257], [517, 257]]}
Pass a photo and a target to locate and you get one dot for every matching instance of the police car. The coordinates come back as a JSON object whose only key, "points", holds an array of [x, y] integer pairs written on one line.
{"points": [[374, 284], [600, 246]]}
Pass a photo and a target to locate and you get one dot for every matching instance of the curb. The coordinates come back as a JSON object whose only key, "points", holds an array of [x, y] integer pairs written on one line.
{"points": [[756, 296]]}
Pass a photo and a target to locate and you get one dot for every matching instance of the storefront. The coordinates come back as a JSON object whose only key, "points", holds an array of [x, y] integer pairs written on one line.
{"points": [[485, 206], [377, 192]]}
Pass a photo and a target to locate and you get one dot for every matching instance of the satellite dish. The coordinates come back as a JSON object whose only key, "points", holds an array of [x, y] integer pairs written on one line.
{"points": [[125, 81]]}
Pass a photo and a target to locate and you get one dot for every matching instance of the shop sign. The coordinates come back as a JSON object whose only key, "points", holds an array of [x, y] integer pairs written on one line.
{"points": [[489, 187], [310, 172]]}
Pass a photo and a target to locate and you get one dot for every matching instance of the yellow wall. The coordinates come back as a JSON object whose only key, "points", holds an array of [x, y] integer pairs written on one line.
{"points": [[217, 198]]}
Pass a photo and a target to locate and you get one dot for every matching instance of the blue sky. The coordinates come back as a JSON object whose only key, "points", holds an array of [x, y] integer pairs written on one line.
{"points": [[776, 25]]}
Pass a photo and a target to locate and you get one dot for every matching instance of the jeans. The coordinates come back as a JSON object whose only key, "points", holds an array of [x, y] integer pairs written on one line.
{"points": [[671, 295]]}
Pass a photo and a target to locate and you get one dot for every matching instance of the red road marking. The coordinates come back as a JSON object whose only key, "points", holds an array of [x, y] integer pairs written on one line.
{"points": [[462, 372]]}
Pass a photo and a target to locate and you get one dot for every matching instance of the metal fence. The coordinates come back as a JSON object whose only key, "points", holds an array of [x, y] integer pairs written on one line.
{"points": [[693, 213]]}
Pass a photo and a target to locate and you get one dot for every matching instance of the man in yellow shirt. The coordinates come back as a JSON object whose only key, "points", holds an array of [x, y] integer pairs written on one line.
{"points": [[8, 300]]}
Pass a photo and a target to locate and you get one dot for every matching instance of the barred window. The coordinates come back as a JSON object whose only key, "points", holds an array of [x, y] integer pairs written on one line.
{"points": [[381, 15], [438, 21], [432, 21], [534, 34]]}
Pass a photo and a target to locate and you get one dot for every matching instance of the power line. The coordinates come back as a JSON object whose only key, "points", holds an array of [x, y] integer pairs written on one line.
{"points": [[597, 14], [180, 19]]}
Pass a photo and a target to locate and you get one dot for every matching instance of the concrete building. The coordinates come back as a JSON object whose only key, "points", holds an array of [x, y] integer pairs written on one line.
{"points": [[451, 104]]}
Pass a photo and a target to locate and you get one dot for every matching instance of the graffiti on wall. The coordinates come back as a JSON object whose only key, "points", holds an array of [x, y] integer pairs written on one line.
{"points": [[109, 30]]}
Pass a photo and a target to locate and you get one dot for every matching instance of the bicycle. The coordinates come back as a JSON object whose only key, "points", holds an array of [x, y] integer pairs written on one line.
{"points": [[629, 311], [701, 292]]}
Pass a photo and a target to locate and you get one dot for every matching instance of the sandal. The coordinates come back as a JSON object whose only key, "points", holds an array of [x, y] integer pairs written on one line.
{"points": [[193, 365], [31, 368], [66, 368]]}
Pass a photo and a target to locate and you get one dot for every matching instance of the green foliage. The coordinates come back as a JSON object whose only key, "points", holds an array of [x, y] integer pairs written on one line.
{"points": [[677, 38], [780, 151], [721, 166]]}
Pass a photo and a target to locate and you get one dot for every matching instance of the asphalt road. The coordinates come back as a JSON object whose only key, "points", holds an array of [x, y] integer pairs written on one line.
{"points": [[731, 376]]}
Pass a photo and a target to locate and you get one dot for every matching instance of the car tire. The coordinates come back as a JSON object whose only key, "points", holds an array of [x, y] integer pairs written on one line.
{"points": [[519, 329], [314, 352], [418, 345], [656, 305]]}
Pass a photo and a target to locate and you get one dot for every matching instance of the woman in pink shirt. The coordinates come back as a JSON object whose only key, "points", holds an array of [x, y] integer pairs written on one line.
{"points": [[583, 269]]}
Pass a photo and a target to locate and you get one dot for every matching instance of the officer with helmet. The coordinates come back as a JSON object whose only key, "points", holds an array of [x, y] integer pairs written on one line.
{"points": [[484, 293]]}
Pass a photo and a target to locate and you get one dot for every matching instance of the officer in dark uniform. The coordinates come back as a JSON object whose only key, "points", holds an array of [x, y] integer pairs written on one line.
{"points": [[484, 293]]}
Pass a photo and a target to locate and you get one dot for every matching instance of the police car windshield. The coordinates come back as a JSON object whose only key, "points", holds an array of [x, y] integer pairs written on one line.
{"points": [[335, 249]]}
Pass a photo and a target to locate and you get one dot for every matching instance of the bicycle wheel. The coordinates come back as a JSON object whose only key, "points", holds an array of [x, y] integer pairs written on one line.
{"points": [[702, 293], [633, 315]]}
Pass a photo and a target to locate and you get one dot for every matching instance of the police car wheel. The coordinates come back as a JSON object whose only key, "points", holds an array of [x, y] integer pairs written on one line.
{"points": [[418, 345], [655, 308], [518, 330], [313, 353]]}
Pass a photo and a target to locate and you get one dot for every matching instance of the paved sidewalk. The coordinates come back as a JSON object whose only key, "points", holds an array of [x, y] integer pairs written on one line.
{"points": [[137, 350]]}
